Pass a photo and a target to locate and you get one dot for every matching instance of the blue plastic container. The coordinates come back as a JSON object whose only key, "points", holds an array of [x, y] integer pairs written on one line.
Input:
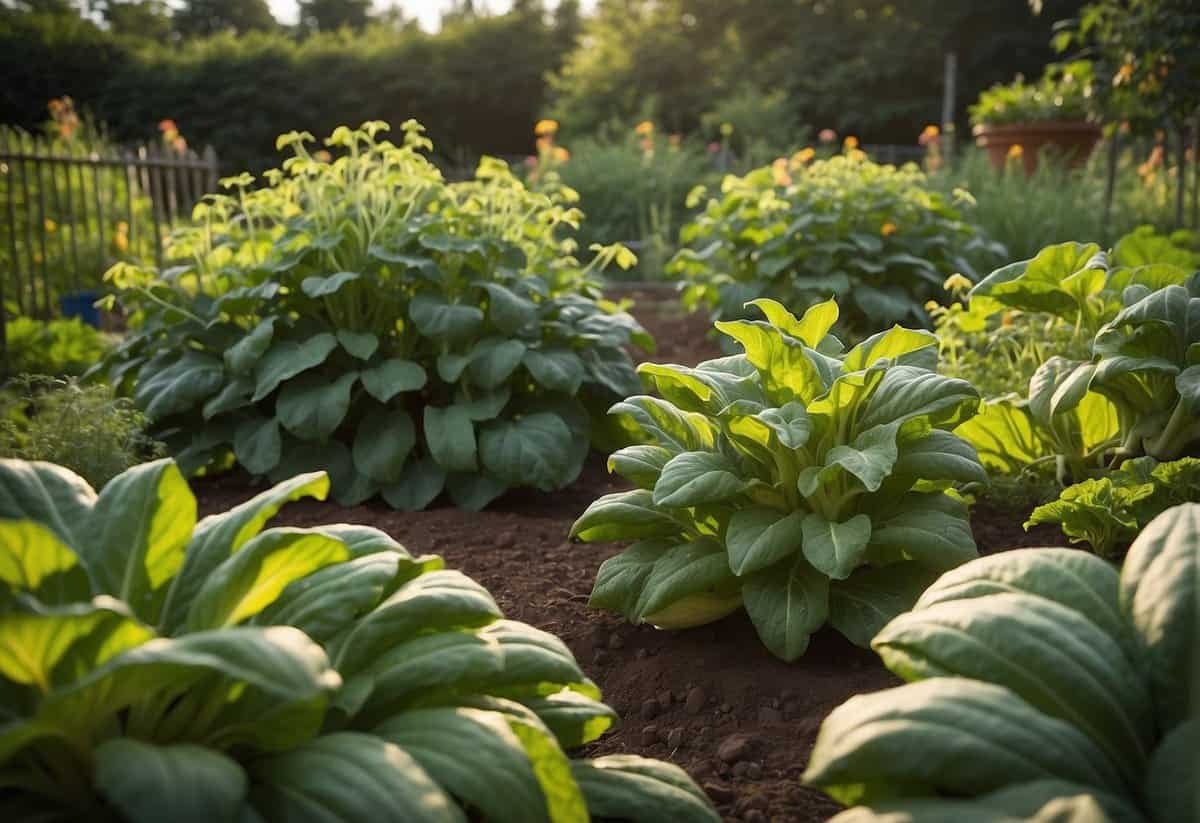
{"points": [[81, 304]]}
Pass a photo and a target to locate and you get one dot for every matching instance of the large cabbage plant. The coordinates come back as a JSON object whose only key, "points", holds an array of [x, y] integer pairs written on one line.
{"points": [[799, 480], [155, 668], [873, 236], [363, 316], [1044, 685]]}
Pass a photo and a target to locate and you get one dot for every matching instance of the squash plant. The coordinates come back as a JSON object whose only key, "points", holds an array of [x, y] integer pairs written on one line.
{"points": [[1040, 680], [800, 481], [872, 236], [156, 668], [363, 316], [1127, 395]]}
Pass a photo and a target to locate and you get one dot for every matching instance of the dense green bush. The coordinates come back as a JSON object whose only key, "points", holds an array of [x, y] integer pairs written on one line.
{"points": [[164, 669], [85, 428], [871, 235], [1064, 92], [59, 348], [1043, 685], [801, 481], [365, 317]]}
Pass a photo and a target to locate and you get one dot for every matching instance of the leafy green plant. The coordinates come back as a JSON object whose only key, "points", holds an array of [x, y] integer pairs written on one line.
{"points": [[278, 674], [1116, 401], [801, 481], [1041, 680], [85, 428], [58, 348], [1064, 92], [365, 317], [873, 236], [1108, 512]]}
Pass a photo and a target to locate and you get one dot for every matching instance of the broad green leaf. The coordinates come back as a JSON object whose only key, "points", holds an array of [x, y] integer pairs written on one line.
{"points": [[787, 371], [630, 787], [241, 358], [789, 423], [1160, 597], [179, 387], [318, 287], [1005, 436], [493, 360], [695, 569], [483, 405], [235, 395], [835, 549], [474, 491], [678, 385], [640, 465], [312, 407], [869, 460], [929, 528], [350, 776], [649, 419], [287, 358], [48, 647], [811, 329], [180, 782], [611, 369], [1171, 779], [421, 482], [360, 344], [434, 317], [787, 603], [1048, 654], [971, 737], [760, 536], [382, 442], [450, 436], [622, 578], [696, 478], [219, 536], [527, 451], [508, 311], [450, 366], [872, 596], [558, 370], [941, 456], [1038, 284], [910, 393], [488, 766], [914, 347], [137, 532], [623, 516], [391, 377], [574, 718], [33, 557], [258, 445]]}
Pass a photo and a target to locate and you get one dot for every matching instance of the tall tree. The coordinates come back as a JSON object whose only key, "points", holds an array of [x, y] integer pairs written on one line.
{"points": [[198, 18], [142, 19]]}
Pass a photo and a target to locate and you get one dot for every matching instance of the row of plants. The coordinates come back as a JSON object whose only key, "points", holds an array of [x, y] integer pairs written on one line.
{"points": [[163, 668]]}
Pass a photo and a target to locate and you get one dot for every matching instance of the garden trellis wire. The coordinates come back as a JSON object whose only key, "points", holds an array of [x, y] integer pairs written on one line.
{"points": [[71, 211]]}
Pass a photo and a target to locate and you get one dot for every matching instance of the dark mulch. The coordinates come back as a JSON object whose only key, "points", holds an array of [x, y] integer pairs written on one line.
{"points": [[685, 696]]}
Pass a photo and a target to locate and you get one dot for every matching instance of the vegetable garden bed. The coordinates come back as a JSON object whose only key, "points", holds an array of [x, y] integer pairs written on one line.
{"points": [[712, 699]]}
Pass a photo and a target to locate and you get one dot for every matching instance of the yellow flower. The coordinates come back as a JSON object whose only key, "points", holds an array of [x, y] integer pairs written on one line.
{"points": [[121, 241], [50, 224], [1015, 150], [931, 131], [561, 154], [803, 156], [122, 227], [857, 155], [887, 229], [957, 282], [726, 129], [779, 169], [851, 142], [932, 305], [545, 127], [644, 128]]}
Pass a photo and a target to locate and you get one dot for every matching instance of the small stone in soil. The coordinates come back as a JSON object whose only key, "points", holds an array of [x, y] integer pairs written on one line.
{"points": [[753, 770], [754, 816], [664, 700], [726, 708], [650, 735], [719, 792], [649, 710], [675, 739], [639, 653], [615, 641], [740, 768], [505, 540], [736, 747], [696, 699]]}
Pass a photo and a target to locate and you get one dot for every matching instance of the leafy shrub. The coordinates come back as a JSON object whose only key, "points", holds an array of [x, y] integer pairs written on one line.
{"points": [[58, 348], [288, 673], [1064, 92], [1083, 415], [1107, 512], [85, 428], [1043, 679], [873, 236], [364, 316], [801, 481]]}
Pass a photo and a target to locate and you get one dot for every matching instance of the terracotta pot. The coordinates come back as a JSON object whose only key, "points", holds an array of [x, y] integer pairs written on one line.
{"points": [[1073, 140]]}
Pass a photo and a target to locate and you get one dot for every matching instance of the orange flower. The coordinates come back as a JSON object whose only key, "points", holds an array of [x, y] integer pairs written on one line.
{"points": [[929, 135], [561, 154], [545, 143], [322, 156], [851, 142], [803, 156], [644, 128], [1123, 75], [545, 127], [887, 229], [1015, 151], [167, 126]]}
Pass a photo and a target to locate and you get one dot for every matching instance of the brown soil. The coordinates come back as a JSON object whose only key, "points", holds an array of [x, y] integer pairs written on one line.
{"points": [[681, 694]]}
